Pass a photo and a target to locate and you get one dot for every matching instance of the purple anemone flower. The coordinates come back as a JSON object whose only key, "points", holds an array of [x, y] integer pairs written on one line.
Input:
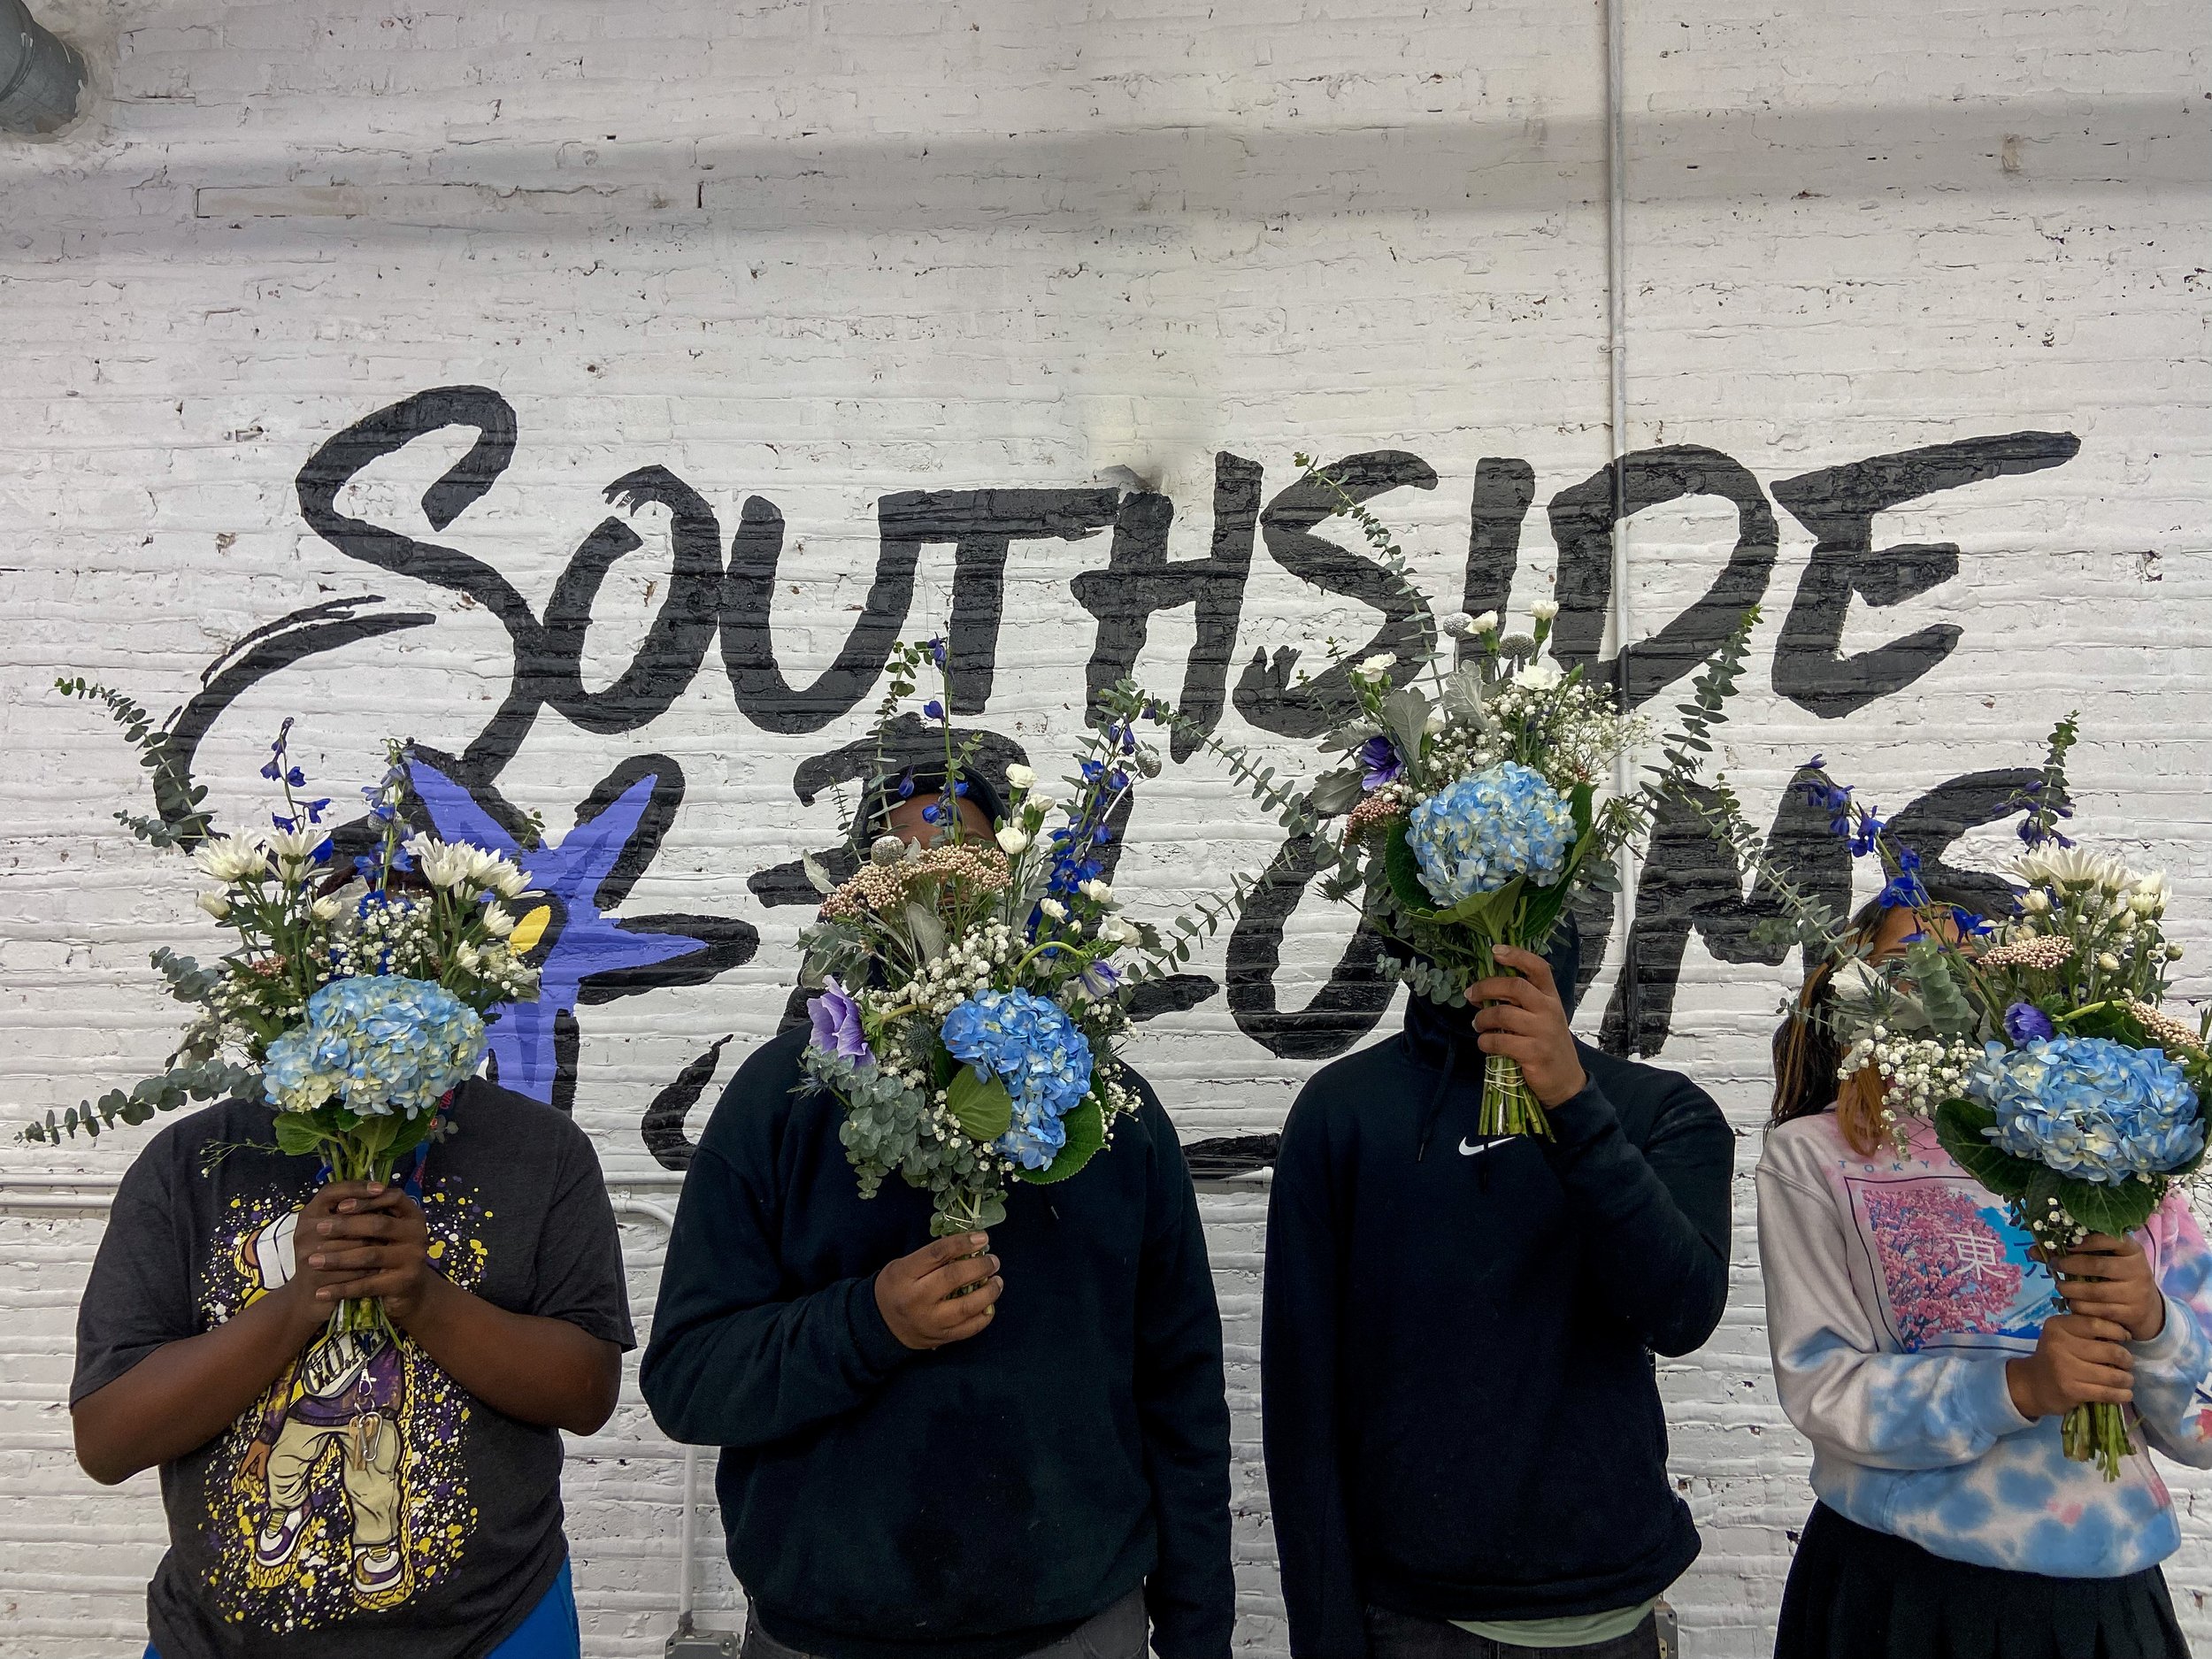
{"points": [[2025, 1022], [835, 1018], [1380, 757]]}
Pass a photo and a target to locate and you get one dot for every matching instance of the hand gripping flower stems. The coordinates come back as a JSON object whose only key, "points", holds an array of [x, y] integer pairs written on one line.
{"points": [[974, 979], [354, 998], [2037, 1041]]}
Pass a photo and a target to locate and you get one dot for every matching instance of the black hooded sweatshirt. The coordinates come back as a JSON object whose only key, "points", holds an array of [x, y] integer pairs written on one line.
{"points": [[1461, 1418], [976, 1501]]}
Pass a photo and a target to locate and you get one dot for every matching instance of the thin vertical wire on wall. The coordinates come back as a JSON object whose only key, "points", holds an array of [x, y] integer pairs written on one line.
{"points": [[1618, 618]]}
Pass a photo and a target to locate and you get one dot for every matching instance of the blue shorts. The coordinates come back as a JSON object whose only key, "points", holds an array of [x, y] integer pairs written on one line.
{"points": [[549, 1633]]}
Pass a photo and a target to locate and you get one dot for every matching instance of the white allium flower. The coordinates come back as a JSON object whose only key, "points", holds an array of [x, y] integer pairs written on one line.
{"points": [[1011, 839], [886, 849], [215, 904], [1054, 909], [1487, 623], [1544, 610], [1097, 892], [1020, 776], [1459, 625], [228, 858]]}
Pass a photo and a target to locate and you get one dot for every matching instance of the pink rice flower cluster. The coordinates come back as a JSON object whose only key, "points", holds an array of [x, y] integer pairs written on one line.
{"points": [[1378, 807], [2166, 1030], [977, 866], [2045, 951]]}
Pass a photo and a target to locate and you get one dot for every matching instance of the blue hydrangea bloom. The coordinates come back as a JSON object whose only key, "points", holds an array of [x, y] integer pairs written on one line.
{"points": [[1031, 1045], [2090, 1107], [377, 1044], [1482, 831]]}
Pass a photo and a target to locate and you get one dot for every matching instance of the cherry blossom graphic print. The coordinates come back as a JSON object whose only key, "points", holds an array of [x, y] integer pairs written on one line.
{"points": [[1950, 1268]]}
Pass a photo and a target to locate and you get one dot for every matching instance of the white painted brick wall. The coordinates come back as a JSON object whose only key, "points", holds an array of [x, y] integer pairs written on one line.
{"points": [[823, 252]]}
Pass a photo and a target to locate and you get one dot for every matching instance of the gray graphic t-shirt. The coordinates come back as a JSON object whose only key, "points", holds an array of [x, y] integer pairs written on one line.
{"points": [[367, 1507]]}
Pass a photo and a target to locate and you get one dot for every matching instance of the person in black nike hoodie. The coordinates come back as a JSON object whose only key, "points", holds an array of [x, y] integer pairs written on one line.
{"points": [[1034, 1467], [1465, 1451]]}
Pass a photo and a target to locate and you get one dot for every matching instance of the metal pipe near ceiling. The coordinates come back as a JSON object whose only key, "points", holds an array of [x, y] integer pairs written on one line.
{"points": [[42, 77]]}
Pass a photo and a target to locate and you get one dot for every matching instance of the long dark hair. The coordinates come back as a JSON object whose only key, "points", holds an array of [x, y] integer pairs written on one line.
{"points": [[1807, 1055]]}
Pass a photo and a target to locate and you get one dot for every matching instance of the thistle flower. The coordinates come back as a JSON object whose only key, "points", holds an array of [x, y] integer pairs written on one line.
{"points": [[1459, 625]]}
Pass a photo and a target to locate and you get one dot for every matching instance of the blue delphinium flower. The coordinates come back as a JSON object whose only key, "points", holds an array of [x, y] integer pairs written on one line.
{"points": [[1030, 1045], [378, 1044], [1482, 831], [1904, 891], [836, 1018], [2090, 1107]]}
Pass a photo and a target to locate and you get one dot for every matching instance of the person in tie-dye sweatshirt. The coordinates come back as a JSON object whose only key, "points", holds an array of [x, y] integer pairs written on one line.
{"points": [[1918, 1345]]}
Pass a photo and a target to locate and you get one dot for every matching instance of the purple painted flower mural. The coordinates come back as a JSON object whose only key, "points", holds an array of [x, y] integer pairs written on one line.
{"points": [[562, 904]]}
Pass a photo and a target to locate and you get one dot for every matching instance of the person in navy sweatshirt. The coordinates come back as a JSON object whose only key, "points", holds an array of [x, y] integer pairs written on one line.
{"points": [[1465, 1450], [1038, 1467]]}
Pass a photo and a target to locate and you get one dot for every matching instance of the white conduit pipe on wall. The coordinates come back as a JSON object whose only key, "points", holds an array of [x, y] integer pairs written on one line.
{"points": [[81, 1194], [1619, 614]]}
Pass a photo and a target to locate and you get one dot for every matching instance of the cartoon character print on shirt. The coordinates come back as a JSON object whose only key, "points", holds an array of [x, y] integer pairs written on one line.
{"points": [[1952, 1270], [342, 1490]]}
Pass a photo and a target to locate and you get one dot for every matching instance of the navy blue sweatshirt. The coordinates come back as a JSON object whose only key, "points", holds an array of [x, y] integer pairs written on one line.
{"points": [[1461, 1415], [976, 1501]]}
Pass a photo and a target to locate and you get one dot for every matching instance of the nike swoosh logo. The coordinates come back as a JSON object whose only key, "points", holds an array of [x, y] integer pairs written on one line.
{"points": [[1489, 1144]]}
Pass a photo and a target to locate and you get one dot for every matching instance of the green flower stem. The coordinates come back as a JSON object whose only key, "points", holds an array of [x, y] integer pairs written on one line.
{"points": [[1510, 1107]]}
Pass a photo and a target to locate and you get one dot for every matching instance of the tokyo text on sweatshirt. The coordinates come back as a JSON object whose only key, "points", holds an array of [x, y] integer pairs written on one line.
{"points": [[1897, 1287]]}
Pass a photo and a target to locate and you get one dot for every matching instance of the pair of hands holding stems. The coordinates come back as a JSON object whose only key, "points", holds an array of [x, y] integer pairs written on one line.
{"points": [[948, 1290]]}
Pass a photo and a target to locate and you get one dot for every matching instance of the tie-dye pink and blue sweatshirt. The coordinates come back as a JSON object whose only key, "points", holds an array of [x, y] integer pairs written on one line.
{"points": [[1896, 1290]]}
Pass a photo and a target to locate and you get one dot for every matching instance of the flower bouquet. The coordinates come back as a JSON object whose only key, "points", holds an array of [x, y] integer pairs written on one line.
{"points": [[2036, 1043], [973, 990], [354, 998], [1473, 808]]}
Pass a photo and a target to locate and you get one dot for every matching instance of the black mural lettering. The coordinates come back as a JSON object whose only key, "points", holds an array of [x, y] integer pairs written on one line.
{"points": [[749, 652], [1344, 1010], [661, 1128], [339, 460], [1265, 695], [676, 642], [1689, 881], [1171, 994], [1503, 490], [1582, 519], [568, 1041], [274, 647], [982, 524], [1937, 819], [1839, 504], [1140, 579]]}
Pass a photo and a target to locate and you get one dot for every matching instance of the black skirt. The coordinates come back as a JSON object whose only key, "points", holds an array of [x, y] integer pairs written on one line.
{"points": [[1856, 1593]]}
